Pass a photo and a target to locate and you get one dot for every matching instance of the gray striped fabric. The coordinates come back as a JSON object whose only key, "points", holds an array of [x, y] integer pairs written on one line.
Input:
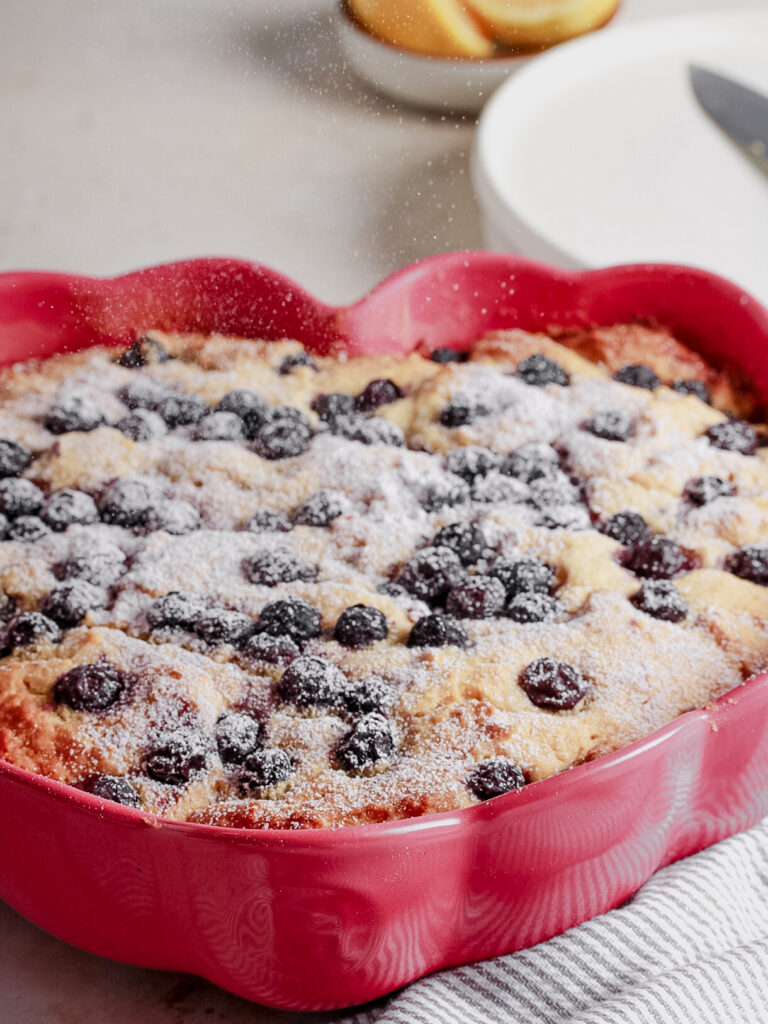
{"points": [[691, 946]]}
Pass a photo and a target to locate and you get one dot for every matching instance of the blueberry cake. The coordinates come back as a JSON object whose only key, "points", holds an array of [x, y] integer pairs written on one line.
{"points": [[245, 585]]}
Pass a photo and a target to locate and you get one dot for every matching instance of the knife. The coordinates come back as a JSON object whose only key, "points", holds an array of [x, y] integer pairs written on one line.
{"points": [[738, 110]]}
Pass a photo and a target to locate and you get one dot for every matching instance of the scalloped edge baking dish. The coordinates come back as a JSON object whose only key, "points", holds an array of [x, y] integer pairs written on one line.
{"points": [[331, 918]]}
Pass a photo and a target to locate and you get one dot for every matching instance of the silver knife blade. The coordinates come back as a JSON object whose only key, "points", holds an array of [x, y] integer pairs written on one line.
{"points": [[738, 110]]}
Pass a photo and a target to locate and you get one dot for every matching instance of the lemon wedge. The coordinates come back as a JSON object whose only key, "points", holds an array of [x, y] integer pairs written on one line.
{"points": [[440, 27], [521, 23]]}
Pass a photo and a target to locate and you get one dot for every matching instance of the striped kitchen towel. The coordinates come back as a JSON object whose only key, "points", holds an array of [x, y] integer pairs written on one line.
{"points": [[690, 947]]}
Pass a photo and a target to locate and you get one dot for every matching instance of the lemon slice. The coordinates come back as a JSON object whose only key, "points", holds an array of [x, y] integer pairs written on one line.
{"points": [[522, 23], [439, 27]]}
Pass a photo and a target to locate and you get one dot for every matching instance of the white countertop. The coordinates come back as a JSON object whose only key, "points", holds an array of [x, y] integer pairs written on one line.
{"points": [[136, 132]]}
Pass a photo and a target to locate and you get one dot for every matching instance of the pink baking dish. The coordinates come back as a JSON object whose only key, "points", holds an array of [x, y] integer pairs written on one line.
{"points": [[325, 919]]}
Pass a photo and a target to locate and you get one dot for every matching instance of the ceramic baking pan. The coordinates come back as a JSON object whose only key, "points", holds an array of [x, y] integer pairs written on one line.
{"points": [[330, 918]]}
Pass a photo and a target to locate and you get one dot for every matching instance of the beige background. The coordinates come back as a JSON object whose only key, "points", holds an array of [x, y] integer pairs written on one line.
{"points": [[137, 131]]}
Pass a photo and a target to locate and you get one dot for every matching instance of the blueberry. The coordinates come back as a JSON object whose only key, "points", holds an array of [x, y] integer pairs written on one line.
{"points": [[524, 576], [290, 414], [74, 412], [176, 609], [69, 602], [179, 409], [693, 387], [125, 502], [539, 370], [375, 431], [7, 607], [553, 685], [219, 426], [333, 406], [360, 625], [471, 462], [564, 517], [376, 393], [268, 568], [68, 507], [554, 491], [237, 735], [14, 458], [531, 606], [365, 695], [466, 540], [703, 489], [658, 558], [347, 426], [294, 360], [92, 687], [733, 436], [142, 425], [27, 529], [224, 626], [438, 630], [610, 425], [369, 741], [637, 376], [267, 520], [626, 527], [29, 628], [113, 788], [292, 617], [265, 769], [143, 352], [750, 563], [144, 393], [320, 509], [496, 488], [479, 597], [430, 574], [282, 439], [174, 756], [312, 683], [175, 517], [97, 563], [450, 492], [531, 461], [20, 497], [248, 406], [495, 776], [463, 409], [254, 420], [662, 600], [272, 650], [448, 355]]}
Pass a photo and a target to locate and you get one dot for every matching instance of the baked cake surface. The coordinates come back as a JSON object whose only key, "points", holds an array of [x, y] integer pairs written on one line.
{"points": [[249, 587]]}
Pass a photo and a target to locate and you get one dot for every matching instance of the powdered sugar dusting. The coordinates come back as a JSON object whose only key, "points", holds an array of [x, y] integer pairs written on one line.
{"points": [[447, 708]]}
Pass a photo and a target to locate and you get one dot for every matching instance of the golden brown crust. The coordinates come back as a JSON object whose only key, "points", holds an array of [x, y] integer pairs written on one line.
{"points": [[447, 709]]}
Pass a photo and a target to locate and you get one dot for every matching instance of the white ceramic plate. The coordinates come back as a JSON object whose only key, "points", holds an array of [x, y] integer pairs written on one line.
{"points": [[598, 153]]}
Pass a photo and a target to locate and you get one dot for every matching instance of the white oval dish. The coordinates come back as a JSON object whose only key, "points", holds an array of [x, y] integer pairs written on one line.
{"points": [[600, 154], [459, 84]]}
